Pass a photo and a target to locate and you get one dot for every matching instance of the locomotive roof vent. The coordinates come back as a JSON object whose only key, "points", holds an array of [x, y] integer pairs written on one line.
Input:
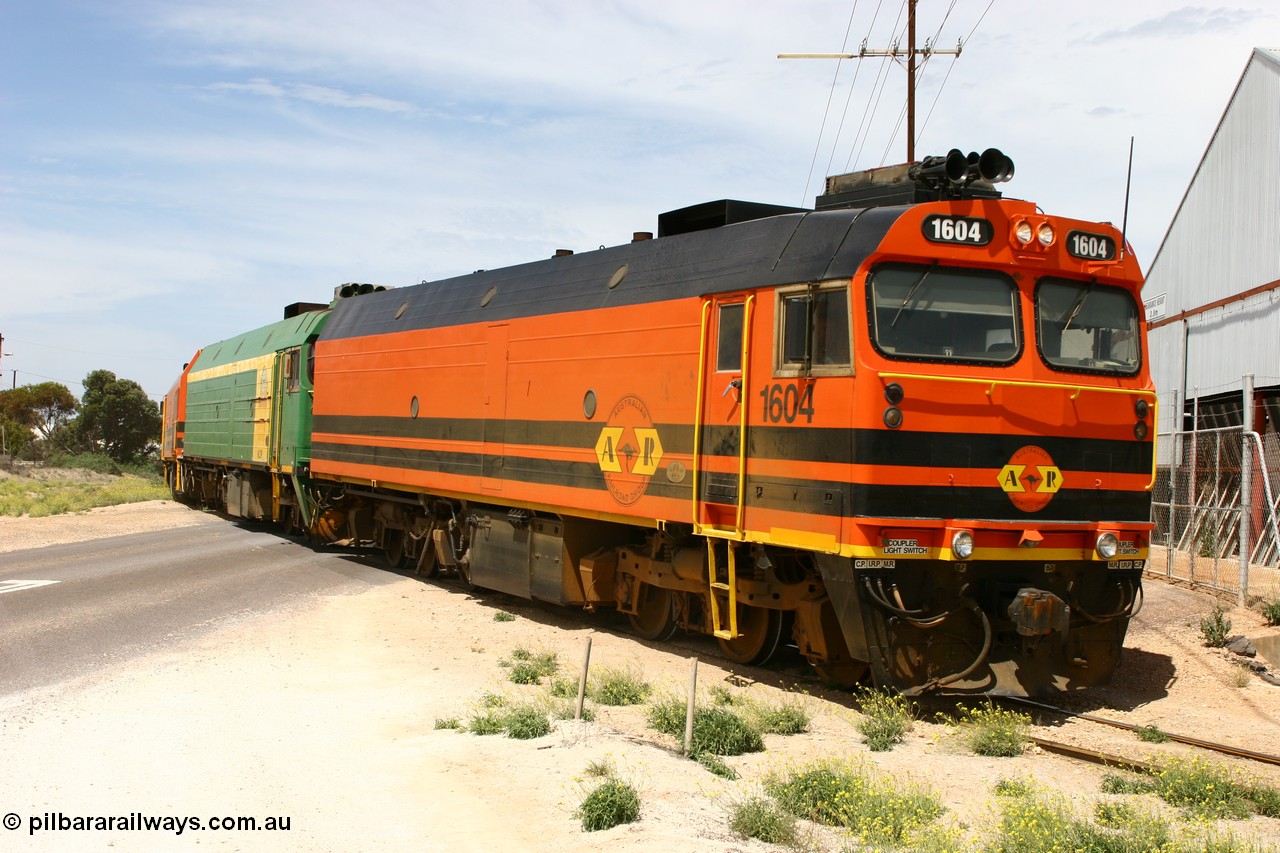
{"points": [[714, 214], [953, 176], [350, 289], [303, 308]]}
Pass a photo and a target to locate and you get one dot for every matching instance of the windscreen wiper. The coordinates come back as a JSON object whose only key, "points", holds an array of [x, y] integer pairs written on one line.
{"points": [[906, 300], [1079, 303]]}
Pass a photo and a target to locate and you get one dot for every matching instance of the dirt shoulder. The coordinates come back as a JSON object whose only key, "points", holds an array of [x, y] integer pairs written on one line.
{"points": [[326, 713]]}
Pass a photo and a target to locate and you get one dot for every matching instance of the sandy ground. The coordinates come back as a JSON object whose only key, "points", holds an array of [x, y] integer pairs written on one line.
{"points": [[325, 714]]}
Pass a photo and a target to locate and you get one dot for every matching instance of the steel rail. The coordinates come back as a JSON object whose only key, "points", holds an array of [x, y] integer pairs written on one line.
{"points": [[1225, 749]]}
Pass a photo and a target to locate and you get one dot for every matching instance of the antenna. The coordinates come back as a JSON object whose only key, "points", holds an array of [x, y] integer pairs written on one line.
{"points": [[1128, 179]]}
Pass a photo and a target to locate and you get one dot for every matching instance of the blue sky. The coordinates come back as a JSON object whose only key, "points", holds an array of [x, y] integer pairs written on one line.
{"points": [[174, 173]]}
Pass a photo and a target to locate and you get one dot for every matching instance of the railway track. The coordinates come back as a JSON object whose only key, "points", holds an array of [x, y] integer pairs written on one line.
{"points": [[1116, 760]]}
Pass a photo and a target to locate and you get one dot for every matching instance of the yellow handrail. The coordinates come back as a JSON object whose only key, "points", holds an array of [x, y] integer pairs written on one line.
{"points": [[742, 415], [699, 407], [1017, 383]]}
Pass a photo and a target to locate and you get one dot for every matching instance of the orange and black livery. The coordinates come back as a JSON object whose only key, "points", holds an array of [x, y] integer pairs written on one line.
{"points": [[907, 432]]}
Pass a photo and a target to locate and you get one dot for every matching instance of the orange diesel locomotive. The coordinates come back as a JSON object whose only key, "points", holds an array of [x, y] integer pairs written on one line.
{"points": [[907, 432]]}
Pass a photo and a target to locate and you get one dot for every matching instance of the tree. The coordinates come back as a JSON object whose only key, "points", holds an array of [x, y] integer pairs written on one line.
{"points": [[42, 408], [117, 417], [52, 405]]}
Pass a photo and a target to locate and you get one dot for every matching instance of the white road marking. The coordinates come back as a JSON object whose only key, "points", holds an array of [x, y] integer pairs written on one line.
{"points": [[18, 586]]}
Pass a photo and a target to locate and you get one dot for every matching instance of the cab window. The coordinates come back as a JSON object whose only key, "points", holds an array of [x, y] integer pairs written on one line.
{"points": [[813, 330], [922, 312], [1087, 327], [729, 339]]}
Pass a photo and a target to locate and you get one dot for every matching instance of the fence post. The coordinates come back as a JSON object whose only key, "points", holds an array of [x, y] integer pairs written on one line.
{"points": [[1175, 462], [1246, 484], [1193, 546]]}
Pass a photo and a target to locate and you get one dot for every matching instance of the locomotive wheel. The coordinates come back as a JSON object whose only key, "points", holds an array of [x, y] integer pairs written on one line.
{"points": [[759, 635], [654, 618], [843, 674], [393, 548]]}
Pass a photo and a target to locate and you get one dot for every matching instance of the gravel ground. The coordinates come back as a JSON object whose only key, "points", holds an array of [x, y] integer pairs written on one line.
{"points": [[326, 713]]}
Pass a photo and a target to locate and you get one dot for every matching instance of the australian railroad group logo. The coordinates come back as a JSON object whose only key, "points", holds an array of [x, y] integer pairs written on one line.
{"points": [[1030, 479], [628, 450]]}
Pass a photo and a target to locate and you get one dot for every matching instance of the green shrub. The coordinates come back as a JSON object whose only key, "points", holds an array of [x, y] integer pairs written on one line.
{"points": [[1014, 788], [564, 688], [1036, 825], [994, 731], [716, 730], [618, 686], [1201, 788], [611, 803], [1215, 628], [528, 668], [840, 794], [886, 719], [763, 820], [448, 723], [504, 616], [526, 722], [487, 723], [1151, 734], [1271, 610], [786, 719], [714, 764]]}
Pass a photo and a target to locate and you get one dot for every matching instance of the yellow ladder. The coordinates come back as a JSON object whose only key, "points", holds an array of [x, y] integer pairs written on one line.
{"points": [[730, 589]]}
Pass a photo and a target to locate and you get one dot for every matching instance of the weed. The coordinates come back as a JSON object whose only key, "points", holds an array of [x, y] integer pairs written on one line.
{"points": [[1215, 628], [1201, 788], [1241, 675], [788, 718], [618, 686], [528, 668], [721, 695], [716, 730], [1014, 788], [565, 710], [504, 616], [487, 723], [1114, 783], [448, 723], [603, 768], [762, 819], [611, 803], [714, 764], [994, 731], [1038, 825], [564, 688], [526, 723], [1271, 610], [1151, 734], [839, 793], [886, 719]]}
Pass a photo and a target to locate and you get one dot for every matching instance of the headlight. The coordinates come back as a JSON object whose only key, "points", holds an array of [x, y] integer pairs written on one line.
{"points": [[1107, 546], [962, 544], [1022, 232], [1045, 234]]}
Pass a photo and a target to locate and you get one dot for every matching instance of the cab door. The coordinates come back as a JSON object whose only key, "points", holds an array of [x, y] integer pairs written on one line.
{"points": [[719, 464]]}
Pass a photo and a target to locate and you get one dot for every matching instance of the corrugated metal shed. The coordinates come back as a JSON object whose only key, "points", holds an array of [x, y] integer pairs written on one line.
{"points": [[1213, 288]]}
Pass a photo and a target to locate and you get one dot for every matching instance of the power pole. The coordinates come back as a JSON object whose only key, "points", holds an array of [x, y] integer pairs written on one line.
{"points": [[911, 53]]}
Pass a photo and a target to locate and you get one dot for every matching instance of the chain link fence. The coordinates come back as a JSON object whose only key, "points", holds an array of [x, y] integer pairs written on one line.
{"points": [[1216, 512]]}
